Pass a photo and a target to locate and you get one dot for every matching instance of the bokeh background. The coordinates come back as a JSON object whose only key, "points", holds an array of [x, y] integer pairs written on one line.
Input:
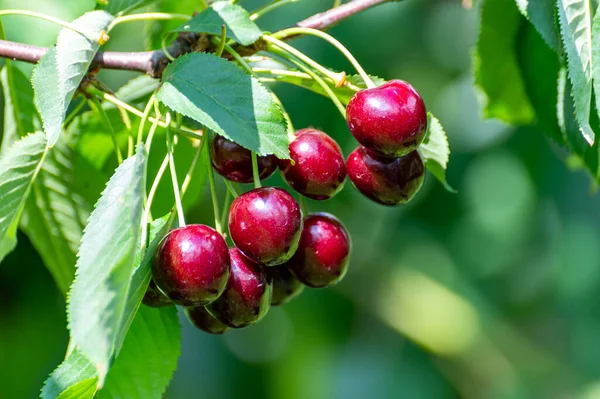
{"points": [[492, 292]]}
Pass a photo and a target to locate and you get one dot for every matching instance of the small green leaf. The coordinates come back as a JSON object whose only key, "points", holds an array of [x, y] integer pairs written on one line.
{"points": [[435, 151], [18, 169], [575, 18], [596, 58], [226, 100], [236, 19], [82, 390], [119, 7], [19, 109], [106, 259], [541, 15], [496, 69], [60, 71], [74, 370]]}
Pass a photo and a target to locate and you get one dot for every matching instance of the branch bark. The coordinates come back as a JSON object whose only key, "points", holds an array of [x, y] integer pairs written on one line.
{"points": [[154, 62]]}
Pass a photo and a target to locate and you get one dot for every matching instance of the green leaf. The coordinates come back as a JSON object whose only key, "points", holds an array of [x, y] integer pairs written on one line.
{"points": [[435, 151], [74, 370], [148, 359], [119, 7], [19, 109], [135, 89], [226, 100], [496, 69], [541, 15], [56, 212], [575, 18], [236, 19], [82, 390], [106, 259], [18, 169], [60, 71], [596, 58]]}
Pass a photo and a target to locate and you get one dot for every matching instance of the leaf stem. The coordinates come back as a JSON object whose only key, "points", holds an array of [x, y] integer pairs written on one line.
{"points": [[48, 18], [213, 192], [282, 72], [270, 7], [176, 192], [333, 41], [239, 58], [221, 47], [109, 127], [273, 44], [148, 16], [255, 174]]}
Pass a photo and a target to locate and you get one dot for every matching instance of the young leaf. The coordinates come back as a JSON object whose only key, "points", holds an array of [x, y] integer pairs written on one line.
{"points": [[73, 371], [496, 69], [226, 100], [541, 14], [435, 151], [18, 169], [82, 390], [19, 109], [575, 18], [98, 297], [236, 19], [60, 71], [145, 365]]}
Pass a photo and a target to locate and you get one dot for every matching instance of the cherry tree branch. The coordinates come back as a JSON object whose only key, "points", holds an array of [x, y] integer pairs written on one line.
{"points": [[154, 62]]}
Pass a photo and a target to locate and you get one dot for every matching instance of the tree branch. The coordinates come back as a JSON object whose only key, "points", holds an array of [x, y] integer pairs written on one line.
{"points": [[154, 62]]}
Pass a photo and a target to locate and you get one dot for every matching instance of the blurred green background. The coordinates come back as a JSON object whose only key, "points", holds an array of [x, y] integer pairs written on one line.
{"points": [[489, 293]]}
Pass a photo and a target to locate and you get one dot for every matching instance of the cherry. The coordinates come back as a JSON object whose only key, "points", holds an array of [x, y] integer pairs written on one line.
{"points": [[324, 251], [316, 168], [201, 319], [390, 119], [387, 181], [154, 298], [285, 285], [234, 162], [265, 224], [247, 297], [191, 265]]}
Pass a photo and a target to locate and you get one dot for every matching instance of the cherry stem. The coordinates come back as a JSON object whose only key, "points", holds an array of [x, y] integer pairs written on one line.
{"points": [[163, 46], [286, 116], [255, 174], [57, 21], [149, 16], [96, 104], [213, 192], [273, 44], [203, 4], [302, 204], [190, 172], [270, 7], [74, 113], [146, 217], [226, 203], [221, 47], [238, 58], [174, 180], [230, 189], [145, 116], [333, 41]]}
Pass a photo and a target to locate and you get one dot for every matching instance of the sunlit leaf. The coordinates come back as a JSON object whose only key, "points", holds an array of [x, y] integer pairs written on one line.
{"points": [[435, 151]]}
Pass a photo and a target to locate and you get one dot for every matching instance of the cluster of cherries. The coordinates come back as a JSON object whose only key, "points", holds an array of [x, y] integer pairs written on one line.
{"points": [[278, 251]]}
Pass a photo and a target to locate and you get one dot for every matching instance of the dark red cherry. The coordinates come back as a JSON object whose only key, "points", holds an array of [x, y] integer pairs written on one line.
{"points": [[285, 285], [234, 162], [247, 297], [390, 119], [191, 265], [201, 319], [265, 224], [318, 170], [154, 298], [324, 251], [388, 181]]}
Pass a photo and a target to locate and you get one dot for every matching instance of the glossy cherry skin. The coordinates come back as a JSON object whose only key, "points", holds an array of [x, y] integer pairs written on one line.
{"points": [[202, 320], [234, 162], [316, 169], [285, 285], [390, 119], [265, 224], [247, 297], [388, 181], [324, 252], [154, 298], [191, 265]]}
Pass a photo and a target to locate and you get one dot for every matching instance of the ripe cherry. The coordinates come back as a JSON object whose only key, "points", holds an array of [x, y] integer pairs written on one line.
{"points": [[388, 181], [316, 168], [247, 297], [154, 298], [265, 224], [201, 319], [285, 285], [234, 162], [390, 119], [191, 265], [323, 254]]}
